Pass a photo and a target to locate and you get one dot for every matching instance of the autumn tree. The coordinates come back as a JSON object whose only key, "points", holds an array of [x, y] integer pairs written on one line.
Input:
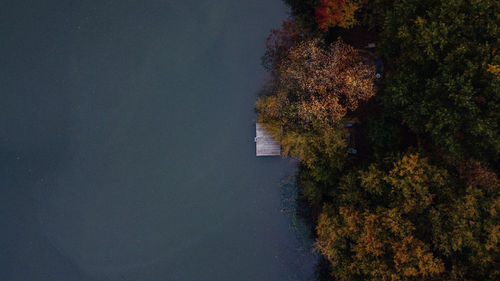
{"points": [[407, 219], [331, 13], [323, 14], [397, 215], [314, 89]]}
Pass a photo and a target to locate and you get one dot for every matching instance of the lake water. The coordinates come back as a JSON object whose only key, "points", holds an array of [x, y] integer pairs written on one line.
{"points": [[126, 143]]}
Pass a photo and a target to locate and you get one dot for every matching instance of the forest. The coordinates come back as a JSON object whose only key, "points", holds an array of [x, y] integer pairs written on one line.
{"points": [[392, 109]]}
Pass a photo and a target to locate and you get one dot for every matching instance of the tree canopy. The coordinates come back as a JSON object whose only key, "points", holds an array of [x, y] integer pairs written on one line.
{"points": [[330, 13], [413, 220], [444, 80], [313, 90], [421, 199]]}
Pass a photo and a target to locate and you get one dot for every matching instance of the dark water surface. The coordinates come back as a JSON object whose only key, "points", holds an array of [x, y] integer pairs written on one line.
{"points": [[126, 143]]}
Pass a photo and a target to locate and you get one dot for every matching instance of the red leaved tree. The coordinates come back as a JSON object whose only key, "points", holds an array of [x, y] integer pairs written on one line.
{"points": [[335, 13]]}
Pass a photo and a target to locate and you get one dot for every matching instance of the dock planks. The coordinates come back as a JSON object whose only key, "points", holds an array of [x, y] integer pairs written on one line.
{"points": [[264, 143]]}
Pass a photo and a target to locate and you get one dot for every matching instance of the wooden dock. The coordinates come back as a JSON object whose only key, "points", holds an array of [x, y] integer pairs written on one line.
{"points": [[265, 145]]}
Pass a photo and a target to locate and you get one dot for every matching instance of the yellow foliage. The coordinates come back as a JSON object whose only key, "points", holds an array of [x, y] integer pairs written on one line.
{"points": [[412, 176], [381, 242], [494, 69]]}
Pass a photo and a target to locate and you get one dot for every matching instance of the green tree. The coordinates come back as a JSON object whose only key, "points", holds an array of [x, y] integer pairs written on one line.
{"points": [[304, 12], [442, 81]]}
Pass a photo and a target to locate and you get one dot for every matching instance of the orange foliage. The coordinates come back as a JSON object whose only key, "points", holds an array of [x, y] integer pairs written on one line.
{"points": [[377, 245], [413, 258], [412, 180], [335, 13], [414, 221], [494, 69], [327, 83]]}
